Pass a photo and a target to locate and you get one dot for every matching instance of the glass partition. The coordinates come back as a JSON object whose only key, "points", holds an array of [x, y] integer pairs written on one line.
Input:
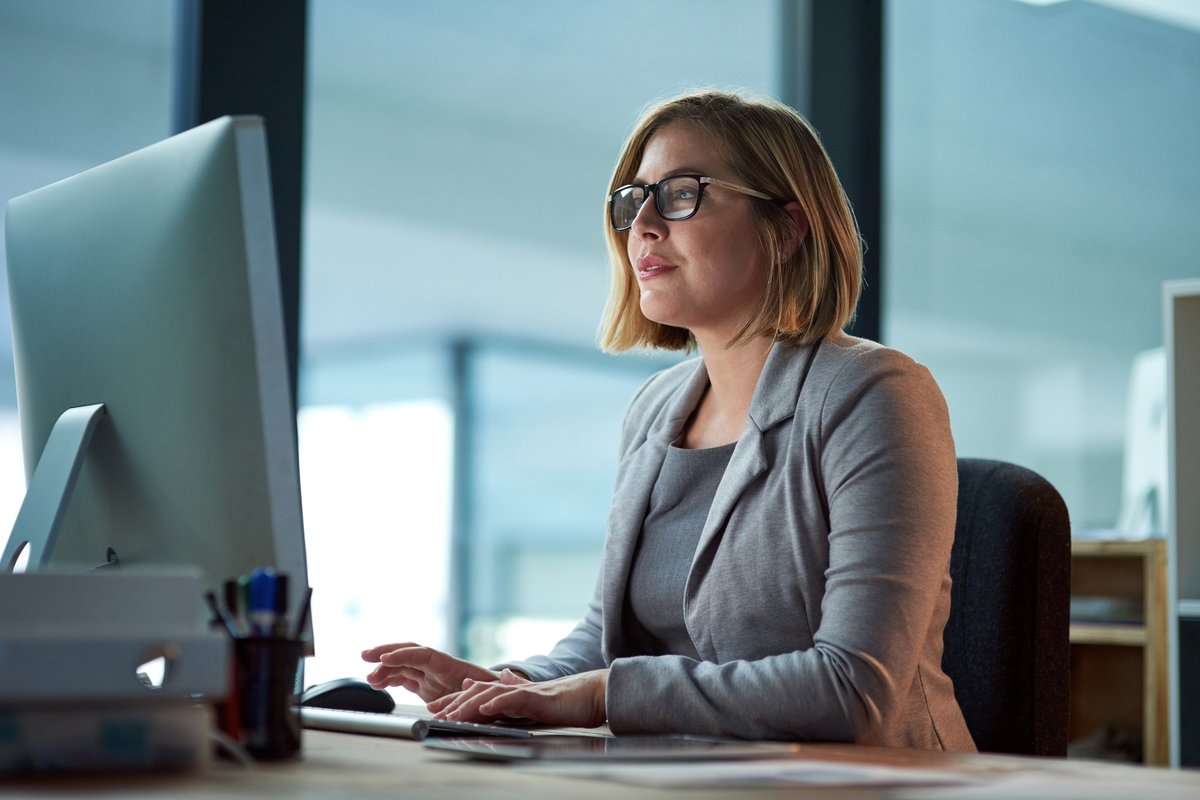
{"points": [[1041, 185]]}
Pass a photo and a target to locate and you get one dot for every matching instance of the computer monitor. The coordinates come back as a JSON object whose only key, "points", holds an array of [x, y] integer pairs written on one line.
{"points": [[150, 286]]}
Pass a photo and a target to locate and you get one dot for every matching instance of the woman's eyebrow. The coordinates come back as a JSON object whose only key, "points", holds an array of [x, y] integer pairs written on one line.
{"points": [[672, 173]]}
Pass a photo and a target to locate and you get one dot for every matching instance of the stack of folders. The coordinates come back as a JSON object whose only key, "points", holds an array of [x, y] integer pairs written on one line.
{"points": [[106, 672]]}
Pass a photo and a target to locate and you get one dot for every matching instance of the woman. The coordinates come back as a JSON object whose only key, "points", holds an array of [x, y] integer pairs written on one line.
{"points": [[777, 560]]}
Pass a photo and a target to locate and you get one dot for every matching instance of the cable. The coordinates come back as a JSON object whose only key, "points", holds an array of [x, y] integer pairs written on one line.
{"points": [[226, 745]]}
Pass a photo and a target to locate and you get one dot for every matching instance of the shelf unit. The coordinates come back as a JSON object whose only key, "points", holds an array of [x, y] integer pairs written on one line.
{"points": [[1119, 667]]}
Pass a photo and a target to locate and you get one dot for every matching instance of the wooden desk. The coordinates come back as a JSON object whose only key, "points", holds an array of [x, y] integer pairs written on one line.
{"points": [[339, 766]]}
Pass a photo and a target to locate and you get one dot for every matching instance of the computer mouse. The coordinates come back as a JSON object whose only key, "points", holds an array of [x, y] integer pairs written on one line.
{"points": [[348, 694]]}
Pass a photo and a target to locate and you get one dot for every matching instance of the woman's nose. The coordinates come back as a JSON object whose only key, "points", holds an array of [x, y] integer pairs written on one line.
{"points": [[648, 222]]}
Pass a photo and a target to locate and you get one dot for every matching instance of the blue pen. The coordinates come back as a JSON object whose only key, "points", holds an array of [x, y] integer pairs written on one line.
{"points": [[261, 609]]}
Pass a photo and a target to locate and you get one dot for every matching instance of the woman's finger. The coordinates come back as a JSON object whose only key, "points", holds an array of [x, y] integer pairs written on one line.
{"points": [[415, 655], [510, 678], [373, 653], [466, 703]]}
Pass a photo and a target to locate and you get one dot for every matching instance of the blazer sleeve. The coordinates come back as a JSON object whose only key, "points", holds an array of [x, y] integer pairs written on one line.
{"points": [[887, 465]]}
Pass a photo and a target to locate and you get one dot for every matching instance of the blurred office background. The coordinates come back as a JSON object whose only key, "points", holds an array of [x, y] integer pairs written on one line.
{"points": [[458, 426]]}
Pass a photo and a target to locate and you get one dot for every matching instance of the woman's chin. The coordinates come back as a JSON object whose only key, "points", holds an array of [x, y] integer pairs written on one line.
{"points": [[656, 312]]}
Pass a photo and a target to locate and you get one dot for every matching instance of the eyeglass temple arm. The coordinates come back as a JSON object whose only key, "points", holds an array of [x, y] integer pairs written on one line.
{"points": [[736, 188]]}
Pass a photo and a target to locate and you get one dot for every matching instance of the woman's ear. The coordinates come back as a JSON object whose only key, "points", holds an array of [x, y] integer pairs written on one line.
{"points": [[799, 228]]}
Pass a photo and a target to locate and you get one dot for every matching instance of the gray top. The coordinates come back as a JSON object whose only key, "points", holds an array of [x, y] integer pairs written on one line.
{"points": [[820, 587], [679, 505]]}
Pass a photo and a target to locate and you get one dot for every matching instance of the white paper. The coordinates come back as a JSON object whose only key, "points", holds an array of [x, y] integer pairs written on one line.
{"points": [[767, 773]]}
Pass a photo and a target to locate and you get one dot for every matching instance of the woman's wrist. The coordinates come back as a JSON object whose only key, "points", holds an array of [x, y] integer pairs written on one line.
{"points": [[601, 698]]}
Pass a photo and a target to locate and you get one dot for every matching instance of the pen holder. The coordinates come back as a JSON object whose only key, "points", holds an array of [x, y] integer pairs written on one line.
{"points": [[265, 693]]}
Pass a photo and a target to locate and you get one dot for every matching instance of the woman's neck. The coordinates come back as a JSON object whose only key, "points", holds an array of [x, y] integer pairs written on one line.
{"points": [[733, 374]]}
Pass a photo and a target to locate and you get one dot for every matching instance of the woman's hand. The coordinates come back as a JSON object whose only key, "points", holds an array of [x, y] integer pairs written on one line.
{"points": [[426, 672], [576, 700]]}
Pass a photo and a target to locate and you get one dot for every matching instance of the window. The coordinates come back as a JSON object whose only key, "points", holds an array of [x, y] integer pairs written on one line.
{"points": [[1040, 178]]}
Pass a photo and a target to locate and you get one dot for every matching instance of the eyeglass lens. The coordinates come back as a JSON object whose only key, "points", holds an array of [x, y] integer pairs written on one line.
{"points": [[674, 198]]}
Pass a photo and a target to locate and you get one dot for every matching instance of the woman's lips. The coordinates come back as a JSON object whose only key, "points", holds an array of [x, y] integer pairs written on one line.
{"points": [[651, 267]]}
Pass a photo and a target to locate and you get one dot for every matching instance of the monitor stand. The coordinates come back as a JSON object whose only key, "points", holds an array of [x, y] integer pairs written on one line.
{"points": [[50, 488]]}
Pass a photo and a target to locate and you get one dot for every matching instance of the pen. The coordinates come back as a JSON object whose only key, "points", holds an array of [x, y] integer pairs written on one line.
{"points": [[219, 615], [281, 605], [261, 611], [231, 601], [302, 620], [243, 601]]}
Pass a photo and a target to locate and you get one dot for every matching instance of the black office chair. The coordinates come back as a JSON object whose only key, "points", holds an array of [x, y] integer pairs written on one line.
{"points": [[1006, 646]]}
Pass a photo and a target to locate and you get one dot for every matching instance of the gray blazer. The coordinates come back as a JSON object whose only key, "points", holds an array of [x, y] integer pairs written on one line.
{"points": [[820, 587]]}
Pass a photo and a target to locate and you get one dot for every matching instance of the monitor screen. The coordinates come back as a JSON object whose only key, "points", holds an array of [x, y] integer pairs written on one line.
{"points": [[151, 285]]}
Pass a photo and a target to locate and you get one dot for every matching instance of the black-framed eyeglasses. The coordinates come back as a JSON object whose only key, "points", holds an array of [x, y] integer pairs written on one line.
{"points": [[675, 198]]}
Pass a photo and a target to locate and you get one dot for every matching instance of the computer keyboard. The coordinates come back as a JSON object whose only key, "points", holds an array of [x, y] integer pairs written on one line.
{"points": [[399, 725]]}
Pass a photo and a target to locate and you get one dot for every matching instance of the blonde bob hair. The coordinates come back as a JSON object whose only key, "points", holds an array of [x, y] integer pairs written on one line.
{"points": [[812, 286]]}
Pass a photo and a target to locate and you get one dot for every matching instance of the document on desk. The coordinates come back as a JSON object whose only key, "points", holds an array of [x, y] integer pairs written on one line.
{"points": [[982, 778], [760, 774]]}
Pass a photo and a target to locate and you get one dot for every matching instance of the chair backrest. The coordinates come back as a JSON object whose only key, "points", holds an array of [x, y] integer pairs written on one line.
{"points": [[1006, 642]]}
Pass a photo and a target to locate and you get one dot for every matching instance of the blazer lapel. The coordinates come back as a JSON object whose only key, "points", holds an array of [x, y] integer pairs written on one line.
{"points": [[631, 499], [774, 401]]}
